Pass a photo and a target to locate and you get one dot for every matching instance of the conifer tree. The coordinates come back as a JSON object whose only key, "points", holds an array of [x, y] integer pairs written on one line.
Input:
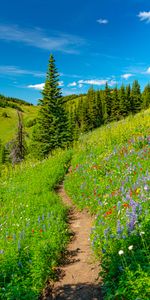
{"points": [[52, 130], [91, 108], [99, 113], [128, 98], [146, 97], [123, 102], [136, 99], [115, 109], [106, 104]]}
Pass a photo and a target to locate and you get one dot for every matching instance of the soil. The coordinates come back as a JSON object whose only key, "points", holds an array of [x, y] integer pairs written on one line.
{"points": [[78, 277]]}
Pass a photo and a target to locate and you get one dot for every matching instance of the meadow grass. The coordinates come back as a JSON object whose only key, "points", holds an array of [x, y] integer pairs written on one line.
{"points": [[8, 126], [33, 226], [110, 176]]}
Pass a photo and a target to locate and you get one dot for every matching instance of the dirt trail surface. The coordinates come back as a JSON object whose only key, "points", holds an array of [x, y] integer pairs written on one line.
{"points": [[78, 275]]}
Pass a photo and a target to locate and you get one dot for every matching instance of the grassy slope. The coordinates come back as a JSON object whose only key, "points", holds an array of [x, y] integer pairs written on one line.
{"points": [[8, 126], [33, 226], [110, 177]]}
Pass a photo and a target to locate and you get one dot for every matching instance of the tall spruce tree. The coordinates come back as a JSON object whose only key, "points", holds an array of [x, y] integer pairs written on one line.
{"points": [[106, 104], [123, 102], [52, 130], [136, 99], [115, 108], [146, 97], [128, 98]]}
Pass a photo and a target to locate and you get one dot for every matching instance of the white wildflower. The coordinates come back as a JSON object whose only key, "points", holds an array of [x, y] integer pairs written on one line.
{"points": [[142, 232], [121, 252], [130, 247]]}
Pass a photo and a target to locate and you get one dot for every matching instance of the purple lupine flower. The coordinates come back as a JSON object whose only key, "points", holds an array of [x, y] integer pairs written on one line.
{"points": [[19, 245], [119, 229]]}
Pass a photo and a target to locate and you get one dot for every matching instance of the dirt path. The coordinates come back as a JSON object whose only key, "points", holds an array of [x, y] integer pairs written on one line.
{"points": [[79, 274]]}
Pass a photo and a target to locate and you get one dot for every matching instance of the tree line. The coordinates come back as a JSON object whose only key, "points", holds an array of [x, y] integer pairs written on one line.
{"points": [[61, 120], [100, 107]]}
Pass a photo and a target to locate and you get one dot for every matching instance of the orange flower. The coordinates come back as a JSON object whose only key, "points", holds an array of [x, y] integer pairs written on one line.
{"points": [[126, 205]]}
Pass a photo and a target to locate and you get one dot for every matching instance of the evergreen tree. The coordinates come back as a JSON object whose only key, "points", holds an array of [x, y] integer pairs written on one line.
{"points": [[52, 130], [128, 98], [136, 99], [91, 100], [123, 102], [99, 113], [106, 104], [146, 97], [115, 109]]}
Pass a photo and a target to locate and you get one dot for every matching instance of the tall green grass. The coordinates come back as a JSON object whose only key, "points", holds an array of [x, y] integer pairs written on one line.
{"points": [[33, 226], [110, 176]]}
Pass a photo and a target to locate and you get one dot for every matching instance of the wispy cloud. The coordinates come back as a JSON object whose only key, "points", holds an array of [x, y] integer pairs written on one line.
{"points": [[72, 84], [102, 21], [147, 71], [14, 70], [98, 82], [40, 86], [126, 76], [144, 16], [36, 37], [93, 81]]}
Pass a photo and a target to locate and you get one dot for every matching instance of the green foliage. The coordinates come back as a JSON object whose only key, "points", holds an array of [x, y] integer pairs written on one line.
{"points": [[116, 105], [33, 226], [52, 124], [12, 102], [110, 177], [146, 97], [136, 99]]}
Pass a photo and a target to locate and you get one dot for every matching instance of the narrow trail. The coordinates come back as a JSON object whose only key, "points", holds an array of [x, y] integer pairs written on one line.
{"points": [[78, 275]]}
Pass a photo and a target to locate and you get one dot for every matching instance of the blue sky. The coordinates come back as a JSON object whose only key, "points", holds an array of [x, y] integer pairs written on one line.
{"points": [[93, 41]]}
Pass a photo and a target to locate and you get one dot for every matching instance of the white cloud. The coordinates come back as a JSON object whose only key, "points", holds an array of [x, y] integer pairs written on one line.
{"points": [[72, 84], [148, 71], [144, 16], [93, 81], [98, 82], [80, 85], [40, 86], [112, 82], [36, 37], [14, 70], [61, 83], [102, 21], [126, 76]]}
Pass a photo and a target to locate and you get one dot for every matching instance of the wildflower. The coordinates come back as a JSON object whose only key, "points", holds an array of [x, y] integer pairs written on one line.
{"points": [[126, 205], [130, 247], [121, 252], [142, 232]]}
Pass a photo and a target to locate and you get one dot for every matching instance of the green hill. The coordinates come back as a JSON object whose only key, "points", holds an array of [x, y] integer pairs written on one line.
{"points": [[109, 176], [9, 119]]}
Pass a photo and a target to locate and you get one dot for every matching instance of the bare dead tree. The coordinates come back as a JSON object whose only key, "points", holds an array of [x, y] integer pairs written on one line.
{"points": [[18, 145]]}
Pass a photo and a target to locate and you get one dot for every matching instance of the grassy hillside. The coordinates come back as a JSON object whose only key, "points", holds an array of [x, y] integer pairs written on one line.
{"points": [[110, 175], [8, 124], [33, 226]]}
